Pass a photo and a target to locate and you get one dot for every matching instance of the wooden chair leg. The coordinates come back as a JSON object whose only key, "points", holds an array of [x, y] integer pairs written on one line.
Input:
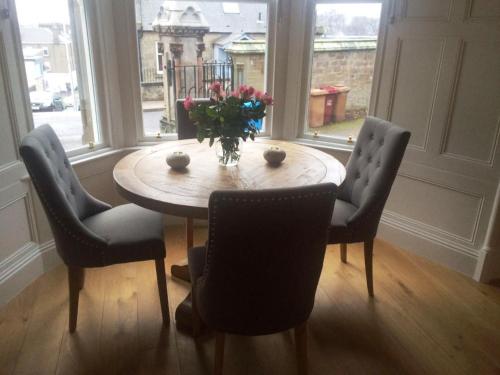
{"points": [[301, 348], [189, 232], [343, 252], [219, 352], [82, 278], [369, 265], [74, 283], [162, 290]]}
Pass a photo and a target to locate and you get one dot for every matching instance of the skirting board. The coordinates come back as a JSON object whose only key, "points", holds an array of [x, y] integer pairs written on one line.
{"points": [[24, 266], [488, 266], [423, 243]]}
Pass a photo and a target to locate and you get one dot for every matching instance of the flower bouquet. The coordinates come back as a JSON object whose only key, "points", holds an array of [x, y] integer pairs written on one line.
{"points": [[228, 119]]}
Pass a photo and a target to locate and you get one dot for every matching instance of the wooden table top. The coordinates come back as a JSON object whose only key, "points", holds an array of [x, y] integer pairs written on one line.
{"points": [[144, 177]]}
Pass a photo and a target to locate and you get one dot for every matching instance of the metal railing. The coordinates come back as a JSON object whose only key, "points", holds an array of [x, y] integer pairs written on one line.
{"points": [[194, 80], [151, 75]]}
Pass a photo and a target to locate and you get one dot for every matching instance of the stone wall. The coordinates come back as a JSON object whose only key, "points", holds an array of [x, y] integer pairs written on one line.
{"points": [[249, 70], [347, 62], [148, 49], [152, 91], [353, 69]]}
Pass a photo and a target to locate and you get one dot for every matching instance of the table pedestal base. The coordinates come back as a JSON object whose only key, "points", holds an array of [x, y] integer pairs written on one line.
{"points": [[184, 317], [181, 271]]}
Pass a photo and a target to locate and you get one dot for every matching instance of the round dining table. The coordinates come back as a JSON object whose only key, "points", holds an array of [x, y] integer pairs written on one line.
{"points": [[144, 178]]}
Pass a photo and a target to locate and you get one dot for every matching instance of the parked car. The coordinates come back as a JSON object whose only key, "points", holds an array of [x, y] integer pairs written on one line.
{"points": [[69, 101], [46, 101]]}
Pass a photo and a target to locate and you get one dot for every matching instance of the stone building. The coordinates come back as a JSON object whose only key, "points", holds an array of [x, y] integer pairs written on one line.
{"points": [[346, 61], [53, 45], [226, 23]]}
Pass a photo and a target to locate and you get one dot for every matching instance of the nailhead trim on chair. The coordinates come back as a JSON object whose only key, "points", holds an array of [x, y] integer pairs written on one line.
{"points": [[81, 240], [213, 215]]}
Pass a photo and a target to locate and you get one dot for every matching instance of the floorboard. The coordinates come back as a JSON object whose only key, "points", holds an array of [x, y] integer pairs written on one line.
{"points": [[423, 319]]}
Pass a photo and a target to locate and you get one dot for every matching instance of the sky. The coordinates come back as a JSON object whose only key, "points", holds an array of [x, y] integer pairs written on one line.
{"points": [[33, 12], [352, 10]]}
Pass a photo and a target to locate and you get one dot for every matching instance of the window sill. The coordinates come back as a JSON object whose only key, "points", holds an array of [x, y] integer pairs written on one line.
{"points": [[326, 145], [89, 156]]}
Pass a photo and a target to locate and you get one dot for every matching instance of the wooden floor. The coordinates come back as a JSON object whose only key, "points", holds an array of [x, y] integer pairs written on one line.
{"points": [[424, 319]]}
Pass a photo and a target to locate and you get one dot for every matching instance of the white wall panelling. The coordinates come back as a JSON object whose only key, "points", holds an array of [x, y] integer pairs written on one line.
{"points": [[441, 80]]}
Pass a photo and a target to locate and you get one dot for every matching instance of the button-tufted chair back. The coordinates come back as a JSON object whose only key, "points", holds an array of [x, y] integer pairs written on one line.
{"points": [[371, 171], [264, 257], [64, 199], [185, 127]]}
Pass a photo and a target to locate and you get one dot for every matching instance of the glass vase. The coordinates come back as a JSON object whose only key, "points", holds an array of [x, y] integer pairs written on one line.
{"points": [[228, 150]]}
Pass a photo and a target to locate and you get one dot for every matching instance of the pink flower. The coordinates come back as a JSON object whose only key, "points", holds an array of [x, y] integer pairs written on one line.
{"points": [[267, 99], [235, 94], [215, 87], [250, 91], [258, 95], [189, 103], [242, 89]]}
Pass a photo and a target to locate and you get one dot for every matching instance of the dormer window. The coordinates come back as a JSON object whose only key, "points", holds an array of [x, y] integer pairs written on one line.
{"points": [[231, 8]]}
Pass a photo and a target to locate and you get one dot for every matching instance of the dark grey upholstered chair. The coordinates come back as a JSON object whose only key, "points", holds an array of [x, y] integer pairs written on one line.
{"points": [[260, 268], [185, 127], [88, 232], [371, 171]]}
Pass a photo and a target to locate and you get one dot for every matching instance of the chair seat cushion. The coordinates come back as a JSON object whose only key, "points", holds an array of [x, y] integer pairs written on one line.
{"points": [[340, 232], [196, 260], [132, 234]]}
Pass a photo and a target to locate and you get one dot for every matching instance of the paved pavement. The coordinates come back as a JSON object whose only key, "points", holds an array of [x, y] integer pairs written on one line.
{"points": [[68, 125], [151, 121]]}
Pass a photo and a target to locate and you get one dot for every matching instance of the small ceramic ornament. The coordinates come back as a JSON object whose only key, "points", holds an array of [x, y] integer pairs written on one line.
{"points": [[178, 160], [274, 155]]}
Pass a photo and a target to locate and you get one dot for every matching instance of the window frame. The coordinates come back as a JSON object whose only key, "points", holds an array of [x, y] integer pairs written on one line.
{"points": [[229, 4], [99, 102], [269, 76], [306, 72], [159, 67]]}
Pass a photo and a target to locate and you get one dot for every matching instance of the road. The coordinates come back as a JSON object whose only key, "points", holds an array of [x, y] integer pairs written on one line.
{"points": [[68, 125]]}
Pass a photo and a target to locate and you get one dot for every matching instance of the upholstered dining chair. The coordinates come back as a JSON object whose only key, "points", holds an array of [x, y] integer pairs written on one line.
{"points": [[260, 268], [186, 129], [371, 171], [88, 232]]}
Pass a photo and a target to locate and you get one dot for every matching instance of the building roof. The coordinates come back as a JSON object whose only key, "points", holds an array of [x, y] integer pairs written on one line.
{"points": [[345, 43], [320, 44], [146, 11], [246, 21], [180, 14], [36, 35], [247, 47], [225, 40]]}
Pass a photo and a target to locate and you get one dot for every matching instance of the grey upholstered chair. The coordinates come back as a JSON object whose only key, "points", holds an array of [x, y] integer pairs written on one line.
{"points": [[186, 129], [260, 268], [371, 171], [88, 232]]}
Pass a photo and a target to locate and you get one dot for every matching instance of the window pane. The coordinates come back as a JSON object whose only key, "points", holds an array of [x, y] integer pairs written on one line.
{"points": [[58, 68], [345, 44], [197, 43]]}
